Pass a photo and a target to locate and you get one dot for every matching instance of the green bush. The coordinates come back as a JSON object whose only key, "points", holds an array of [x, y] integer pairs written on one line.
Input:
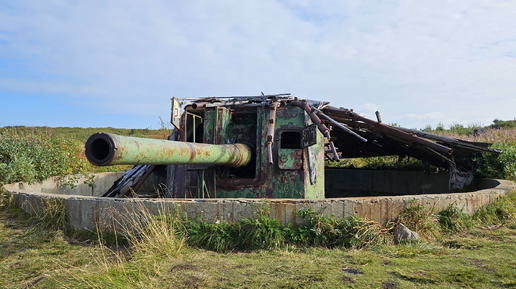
{"points": [[32, 154], [498, 166], [261, 232], [37, 156], [464, 130], [507, 124]]}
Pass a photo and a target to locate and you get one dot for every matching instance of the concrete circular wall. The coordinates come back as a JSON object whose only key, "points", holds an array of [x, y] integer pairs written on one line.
{"points": [[89, 211]]}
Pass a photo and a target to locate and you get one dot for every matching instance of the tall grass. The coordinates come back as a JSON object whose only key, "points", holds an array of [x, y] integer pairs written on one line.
{"points": [[53, 215], [329, 232], [422, 220], [148, 234], [129, 255], [433, 225], [453, 219]]}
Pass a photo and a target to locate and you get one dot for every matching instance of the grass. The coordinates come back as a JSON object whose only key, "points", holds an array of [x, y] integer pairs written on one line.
{"points": [[151, 252]]}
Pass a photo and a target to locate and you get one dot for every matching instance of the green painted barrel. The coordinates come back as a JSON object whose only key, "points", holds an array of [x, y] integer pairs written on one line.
{"points": [[106, 149]]}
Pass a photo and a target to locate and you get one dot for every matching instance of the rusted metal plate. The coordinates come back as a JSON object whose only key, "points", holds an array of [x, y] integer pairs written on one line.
{"points": [[290, 159], [309, 136]]}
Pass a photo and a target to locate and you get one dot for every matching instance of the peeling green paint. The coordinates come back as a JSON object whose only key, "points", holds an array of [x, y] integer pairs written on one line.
{"points": [[289, 176]]}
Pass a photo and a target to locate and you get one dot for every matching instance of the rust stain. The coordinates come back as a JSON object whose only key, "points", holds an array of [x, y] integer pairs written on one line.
{"points": [[192, 151]]}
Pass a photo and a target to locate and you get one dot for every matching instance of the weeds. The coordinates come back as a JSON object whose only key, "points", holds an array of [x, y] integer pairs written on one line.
{"points": [[53, 215], [453, 219], [500, 212], [149, 234], [420, 219], [350, 232], [261, 232]]}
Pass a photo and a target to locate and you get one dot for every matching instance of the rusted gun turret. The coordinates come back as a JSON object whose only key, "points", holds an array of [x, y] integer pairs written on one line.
{"points": [[105, 149], [268, 146]]}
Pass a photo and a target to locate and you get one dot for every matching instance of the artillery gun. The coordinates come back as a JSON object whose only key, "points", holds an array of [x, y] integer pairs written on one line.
{"points": [[105, 149], [269, 146]]}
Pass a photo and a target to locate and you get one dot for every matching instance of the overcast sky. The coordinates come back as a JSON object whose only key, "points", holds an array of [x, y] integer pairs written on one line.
{"points": [[118, 63]]}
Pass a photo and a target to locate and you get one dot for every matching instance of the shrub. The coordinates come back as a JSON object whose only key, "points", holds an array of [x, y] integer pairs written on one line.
{"points": [[503, 124], [261, 232], [453, 219], [499, 166], [37, 156]]}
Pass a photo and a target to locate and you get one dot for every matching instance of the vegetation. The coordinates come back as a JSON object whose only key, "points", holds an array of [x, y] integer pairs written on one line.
{"points": [[82, 134], [169, 250], [502, 166], [29, 154], [263, 232], [41, 251]]}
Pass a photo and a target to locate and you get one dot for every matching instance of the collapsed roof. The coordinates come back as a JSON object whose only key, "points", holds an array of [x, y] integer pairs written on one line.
{"points": [[354, 136]]}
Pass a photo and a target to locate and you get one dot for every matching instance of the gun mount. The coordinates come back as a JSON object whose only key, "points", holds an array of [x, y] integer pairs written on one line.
{"points": [[269, 146]]}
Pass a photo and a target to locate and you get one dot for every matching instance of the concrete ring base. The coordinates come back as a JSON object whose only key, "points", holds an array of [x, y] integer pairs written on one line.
{"points": [[89, 211]]}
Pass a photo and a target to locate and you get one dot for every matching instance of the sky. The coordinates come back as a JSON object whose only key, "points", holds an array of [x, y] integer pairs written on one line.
{"points": [[118, 63]]}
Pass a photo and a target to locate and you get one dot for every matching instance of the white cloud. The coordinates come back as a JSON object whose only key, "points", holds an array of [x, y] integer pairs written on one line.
{"points": [[417, 61]]}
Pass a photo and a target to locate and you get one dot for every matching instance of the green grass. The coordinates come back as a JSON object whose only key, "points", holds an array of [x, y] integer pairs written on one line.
{"points": [[82, 134], [152, 253]]}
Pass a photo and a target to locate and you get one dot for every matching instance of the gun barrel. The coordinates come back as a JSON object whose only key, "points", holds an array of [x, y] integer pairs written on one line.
{"points": [[106, 149]]}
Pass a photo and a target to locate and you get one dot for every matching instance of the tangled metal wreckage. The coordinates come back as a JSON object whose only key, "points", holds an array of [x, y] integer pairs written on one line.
{"points": [[269, 146]]}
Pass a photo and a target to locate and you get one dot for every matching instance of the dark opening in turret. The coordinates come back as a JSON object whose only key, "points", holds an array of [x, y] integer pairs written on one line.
{"points": [[290, 140]]}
